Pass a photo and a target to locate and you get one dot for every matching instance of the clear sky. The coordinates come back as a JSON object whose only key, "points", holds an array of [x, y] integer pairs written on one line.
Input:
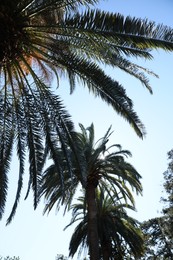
{"points": [[32, 236]]}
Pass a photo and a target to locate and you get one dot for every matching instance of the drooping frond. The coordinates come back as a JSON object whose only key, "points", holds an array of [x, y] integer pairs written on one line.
{"points": [[6, 145], [106, 88], [21, 150], [51, 188], [116, 228], [38, 115]]}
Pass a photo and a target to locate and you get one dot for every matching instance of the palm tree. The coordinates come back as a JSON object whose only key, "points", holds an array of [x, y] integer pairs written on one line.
{"points": [[119, 234], [43, 39], [100, 167]]}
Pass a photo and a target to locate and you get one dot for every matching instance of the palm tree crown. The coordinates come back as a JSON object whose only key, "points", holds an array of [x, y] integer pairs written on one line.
{"points": [[100, 166], [41, 39], [119, 234]]}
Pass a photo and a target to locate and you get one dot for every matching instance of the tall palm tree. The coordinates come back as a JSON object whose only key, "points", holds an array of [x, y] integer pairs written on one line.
{"points": [[100, 167], [41, 39], [119, 234]]}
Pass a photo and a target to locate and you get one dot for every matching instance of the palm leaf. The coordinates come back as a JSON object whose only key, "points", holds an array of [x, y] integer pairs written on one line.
{"points": [[6, 145], [135, 33]]}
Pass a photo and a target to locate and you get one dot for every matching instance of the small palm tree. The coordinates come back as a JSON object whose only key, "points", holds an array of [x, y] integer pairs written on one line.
{"points": [[100, 167], [41, 40], [119, 234]]}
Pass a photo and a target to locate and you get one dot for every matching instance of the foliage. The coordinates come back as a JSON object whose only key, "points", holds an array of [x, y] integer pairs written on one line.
{"points": [[61, 257], [159, 231], [156, 240], [168, 201], [9, 258], [41, 40], [119, 234]]}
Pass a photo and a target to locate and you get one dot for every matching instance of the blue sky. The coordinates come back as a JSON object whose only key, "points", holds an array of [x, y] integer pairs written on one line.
{"points": [[34, 236]]}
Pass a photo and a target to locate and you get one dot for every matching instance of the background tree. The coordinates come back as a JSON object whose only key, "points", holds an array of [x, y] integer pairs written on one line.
{"points": [[159, 231], [157, 243], [9, 258], [168, 200], [61, 257]]}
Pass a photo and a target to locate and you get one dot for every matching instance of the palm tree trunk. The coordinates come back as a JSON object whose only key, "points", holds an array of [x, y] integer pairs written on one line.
{"points": [[92, 222], [105, 250]]}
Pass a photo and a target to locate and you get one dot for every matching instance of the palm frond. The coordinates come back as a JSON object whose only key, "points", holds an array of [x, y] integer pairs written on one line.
{"points": [[109, 90], [6, 143], [52, 191], [20, 135], [133, 32]]}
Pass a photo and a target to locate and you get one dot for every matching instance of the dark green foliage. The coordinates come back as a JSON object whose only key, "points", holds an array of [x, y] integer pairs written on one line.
{"points": [[159, 231], [61, 257], [157, 242], [168, 201], [9, 258]]}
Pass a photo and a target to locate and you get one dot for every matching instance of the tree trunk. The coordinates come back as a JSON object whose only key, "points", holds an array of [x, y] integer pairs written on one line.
{"points": [[105, 250], [92, 223]]}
